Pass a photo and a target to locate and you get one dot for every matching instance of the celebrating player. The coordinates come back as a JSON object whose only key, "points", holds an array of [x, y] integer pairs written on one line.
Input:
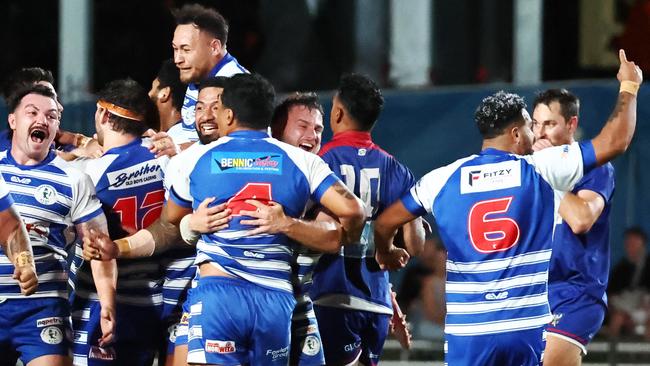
{"points": [[579, 266], [199, 53], [351, 293], [129, 183], [54, 199], [495, 213]]}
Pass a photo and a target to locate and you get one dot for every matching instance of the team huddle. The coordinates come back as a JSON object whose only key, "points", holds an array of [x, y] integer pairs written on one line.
{"points": [[204, 224]]}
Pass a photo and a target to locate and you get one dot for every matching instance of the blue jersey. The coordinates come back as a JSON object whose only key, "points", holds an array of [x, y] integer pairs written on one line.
{"points": [[352, 279], [185, 131], [5, 198], [51, 198], [129, 184], [495, 214], [583, 260], [246, 165]]}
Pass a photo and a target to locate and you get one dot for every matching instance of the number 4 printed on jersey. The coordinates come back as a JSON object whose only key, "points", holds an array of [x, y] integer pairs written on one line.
{"points": [[490, 234]]}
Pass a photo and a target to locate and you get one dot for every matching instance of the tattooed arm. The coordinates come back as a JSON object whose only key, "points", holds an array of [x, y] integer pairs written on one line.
{"points": [[15, 243], [105, 277], [348, 208], [616, 135]]}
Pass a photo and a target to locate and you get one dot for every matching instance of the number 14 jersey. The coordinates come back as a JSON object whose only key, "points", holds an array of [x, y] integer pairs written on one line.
{"points": [[495, 213]]}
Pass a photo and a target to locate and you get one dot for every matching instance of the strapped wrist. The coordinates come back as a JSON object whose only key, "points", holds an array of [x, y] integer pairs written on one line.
{"points": [[24, 259], [628, 86]]}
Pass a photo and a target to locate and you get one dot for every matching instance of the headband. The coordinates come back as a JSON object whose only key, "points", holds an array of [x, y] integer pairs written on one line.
{"points": [[120, 111]]}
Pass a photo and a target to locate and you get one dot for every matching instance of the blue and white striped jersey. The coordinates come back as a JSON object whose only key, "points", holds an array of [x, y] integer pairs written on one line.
{"points": [[5, 198], [129, 184], [185, 131], [495, 213], [251, 165], [51, 198]]}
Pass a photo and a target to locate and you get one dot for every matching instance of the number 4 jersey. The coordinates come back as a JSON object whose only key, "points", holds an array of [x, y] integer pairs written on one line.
{"points": [[495, 213], [250, 165]]}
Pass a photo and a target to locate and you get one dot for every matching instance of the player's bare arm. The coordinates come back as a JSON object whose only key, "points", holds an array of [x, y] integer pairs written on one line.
{"points": [[348, 208], [322, 234], [158, 237], [414, 233], [105, 278], [15, 243], [616, 135], [581, 210], [387, 254]]}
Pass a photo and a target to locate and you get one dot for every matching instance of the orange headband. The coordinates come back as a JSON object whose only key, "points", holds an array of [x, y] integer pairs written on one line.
{"points": [[119, 111]]}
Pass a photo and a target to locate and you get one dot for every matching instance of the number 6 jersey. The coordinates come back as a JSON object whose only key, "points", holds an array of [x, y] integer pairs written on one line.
{"points": [[495, 213]]}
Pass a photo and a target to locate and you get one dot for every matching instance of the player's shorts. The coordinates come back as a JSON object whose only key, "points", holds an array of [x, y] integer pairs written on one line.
{"points": [[524, 347], [234, 322], [179, 273], [178, 334], [577, 316], [350, 335], [137, 334], [306, 344], [34, 327]]}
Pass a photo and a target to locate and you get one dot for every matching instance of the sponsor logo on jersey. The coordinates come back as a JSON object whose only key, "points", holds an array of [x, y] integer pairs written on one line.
{"points": [[185, 318], [556, 319], [490, 177], [248, 253], [99, 353], [246, 162], [311, 347], [52, 335], [46, 322], [45, 194], [134, 176], [497, 296], [352, 346], [20, 180], [362, 152], [275, 354], [213, 346]]}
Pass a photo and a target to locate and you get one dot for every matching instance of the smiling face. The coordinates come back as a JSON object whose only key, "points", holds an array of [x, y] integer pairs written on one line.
{"points": [[206, 110], [34, 124], [304, 128], [195, 52]]}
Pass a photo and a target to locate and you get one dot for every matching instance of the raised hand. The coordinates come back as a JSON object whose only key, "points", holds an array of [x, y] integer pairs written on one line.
{"points": [[628, 71]]}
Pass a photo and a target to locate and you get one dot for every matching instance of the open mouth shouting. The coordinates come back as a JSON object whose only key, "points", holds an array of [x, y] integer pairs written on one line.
{"points": [[306, 146], [39, 134]]}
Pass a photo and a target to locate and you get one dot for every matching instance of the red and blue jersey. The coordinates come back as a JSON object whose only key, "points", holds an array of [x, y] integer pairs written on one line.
{"points": [[129, 184], [352, 279], [250, 165], [495, 213], [582, 261]]}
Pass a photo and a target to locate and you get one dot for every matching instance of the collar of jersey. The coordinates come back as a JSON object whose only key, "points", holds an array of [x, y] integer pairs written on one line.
{"points": [[493, 151], [118, 149], [226, 58], [50, 156], [249, 134], [354, 138]]}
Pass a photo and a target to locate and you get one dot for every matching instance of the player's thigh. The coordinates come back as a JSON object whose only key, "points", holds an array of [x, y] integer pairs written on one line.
{"points": [[577, 317], [373, 337], [340, 331], [560, 352], [179, 358], [271, 336], [51, 360]]}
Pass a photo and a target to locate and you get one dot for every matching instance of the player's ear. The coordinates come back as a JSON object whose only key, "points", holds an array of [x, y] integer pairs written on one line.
{"points": [[215, 47], [12, 121], [573, 124], [515, 133], [164, 94]]}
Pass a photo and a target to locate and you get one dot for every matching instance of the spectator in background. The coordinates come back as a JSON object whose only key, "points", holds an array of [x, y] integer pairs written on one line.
{"points": [[629, 288], [422, 291]]}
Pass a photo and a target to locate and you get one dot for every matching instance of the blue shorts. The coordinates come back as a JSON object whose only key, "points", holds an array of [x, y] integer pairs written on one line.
{"points": [[34, 327], [137, 334], [234, 322], [178, 334], [306, 344], [577, 317], [350, 335], [523, 347]]}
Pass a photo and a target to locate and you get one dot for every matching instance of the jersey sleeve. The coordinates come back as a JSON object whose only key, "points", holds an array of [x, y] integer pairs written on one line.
{"points": [[563, 166], [5, 198], [320, 176], [178, 171], [401, 181], [600, 180], [86, 205]]}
